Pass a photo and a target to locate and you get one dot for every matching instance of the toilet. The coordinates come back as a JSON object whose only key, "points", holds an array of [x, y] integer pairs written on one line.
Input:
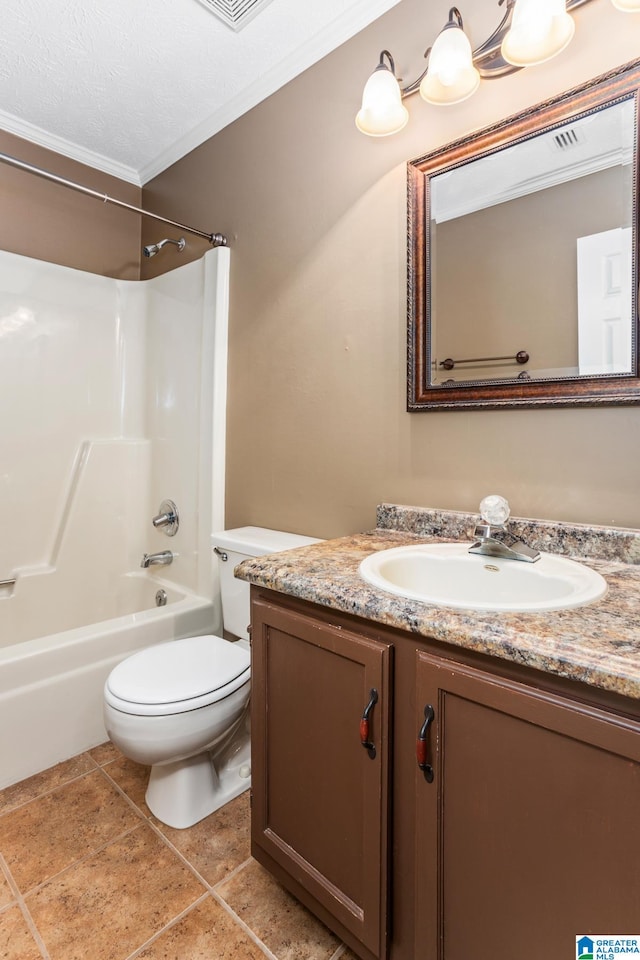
{"points": [[182, 707]]}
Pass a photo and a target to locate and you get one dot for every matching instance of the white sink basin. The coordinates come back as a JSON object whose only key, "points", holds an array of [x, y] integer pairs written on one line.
{"points": [[448, 575]]}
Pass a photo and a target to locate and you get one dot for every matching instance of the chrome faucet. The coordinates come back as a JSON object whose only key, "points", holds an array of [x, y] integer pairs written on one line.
{"points": [[149, 559], [492, 537]]}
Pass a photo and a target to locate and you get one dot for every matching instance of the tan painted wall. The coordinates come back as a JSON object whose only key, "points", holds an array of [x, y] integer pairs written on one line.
{"points": [[49, 222], [507, 276], [317, 428]]}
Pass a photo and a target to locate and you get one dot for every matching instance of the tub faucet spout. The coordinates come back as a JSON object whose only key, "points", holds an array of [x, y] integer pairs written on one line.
{"points": [[165, 556]]}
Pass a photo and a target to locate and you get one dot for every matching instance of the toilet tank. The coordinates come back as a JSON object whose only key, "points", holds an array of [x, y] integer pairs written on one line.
{"points": [[237, 545]]}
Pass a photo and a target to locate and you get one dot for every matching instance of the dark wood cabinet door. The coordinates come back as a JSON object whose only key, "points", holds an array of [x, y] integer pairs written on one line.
{"points": [[529, 833], [319, 808]]}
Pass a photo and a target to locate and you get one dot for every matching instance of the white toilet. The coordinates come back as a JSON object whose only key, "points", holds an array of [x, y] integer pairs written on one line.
{"points": [[182, 706]]}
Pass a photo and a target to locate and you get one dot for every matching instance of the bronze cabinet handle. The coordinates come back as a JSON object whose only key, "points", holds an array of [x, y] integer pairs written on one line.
{"points": [[364, 725], [421, 744]]}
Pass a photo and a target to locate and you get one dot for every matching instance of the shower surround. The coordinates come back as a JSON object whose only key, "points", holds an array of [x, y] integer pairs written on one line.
{"points": [[114, 398]]}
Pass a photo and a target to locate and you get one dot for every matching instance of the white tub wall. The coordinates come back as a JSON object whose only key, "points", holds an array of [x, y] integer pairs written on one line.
{"points": [[213, 416], [186, 410], [61, 334], [103, 528], [98, 436], [89, 367], [131, 369], [98, 540]]}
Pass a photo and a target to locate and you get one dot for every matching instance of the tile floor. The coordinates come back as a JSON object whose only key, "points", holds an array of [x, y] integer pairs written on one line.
{"points": [[87, 873]]}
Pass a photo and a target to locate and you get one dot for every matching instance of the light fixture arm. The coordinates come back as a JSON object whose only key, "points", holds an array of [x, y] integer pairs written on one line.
{"points": [[488, 52], [382, 65], [415, 86], [486, 57]]}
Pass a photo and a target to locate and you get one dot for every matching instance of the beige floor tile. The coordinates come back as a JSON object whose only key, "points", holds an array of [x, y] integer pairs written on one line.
{"points": [[19, 793], [118, 899], [206, 932], [275, 917], [6, 894], [219, 843], [16, 940], [104, 753], [50, 833], [132, 778]]}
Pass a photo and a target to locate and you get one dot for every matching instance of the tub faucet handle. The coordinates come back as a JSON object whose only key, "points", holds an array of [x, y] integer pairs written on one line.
{"points": [[167, 518]]}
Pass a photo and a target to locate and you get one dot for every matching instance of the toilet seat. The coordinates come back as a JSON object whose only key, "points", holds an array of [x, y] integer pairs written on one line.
{"points": [[178, 676]]}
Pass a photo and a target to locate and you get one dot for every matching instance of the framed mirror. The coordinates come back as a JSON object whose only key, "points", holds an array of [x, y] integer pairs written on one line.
{"points": [[522, 257]]}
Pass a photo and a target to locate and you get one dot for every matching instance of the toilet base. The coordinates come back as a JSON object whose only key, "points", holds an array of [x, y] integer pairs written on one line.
{"points": [[183, 793]]}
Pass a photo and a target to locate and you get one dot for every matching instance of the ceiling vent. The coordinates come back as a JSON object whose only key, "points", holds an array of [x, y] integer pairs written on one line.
{"points": [[567, 138], [236, 13]]}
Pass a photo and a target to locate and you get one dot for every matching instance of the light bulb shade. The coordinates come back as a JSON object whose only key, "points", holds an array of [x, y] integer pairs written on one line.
{"points": [[451, 76], [382, 111], [627, 6], [539, 30]]}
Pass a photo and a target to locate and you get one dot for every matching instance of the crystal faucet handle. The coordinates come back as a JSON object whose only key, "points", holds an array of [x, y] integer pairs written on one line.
{"points": [[494, 510]]}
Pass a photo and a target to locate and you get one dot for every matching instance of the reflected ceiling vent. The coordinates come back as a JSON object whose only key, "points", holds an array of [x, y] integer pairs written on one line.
{"points": [[564, 140], [236, 13]]}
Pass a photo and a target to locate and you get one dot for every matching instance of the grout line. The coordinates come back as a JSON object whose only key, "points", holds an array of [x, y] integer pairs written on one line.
{"points": [[47, 793], [210, 890], [232, 873], [88, 856], [339, 952], [244, 926], [26, 913], [124, 794], [216, 896], [168, 926], [180, 855]]}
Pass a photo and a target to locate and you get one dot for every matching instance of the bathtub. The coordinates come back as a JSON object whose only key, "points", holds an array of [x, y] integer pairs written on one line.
{"points": [[51, 686]]}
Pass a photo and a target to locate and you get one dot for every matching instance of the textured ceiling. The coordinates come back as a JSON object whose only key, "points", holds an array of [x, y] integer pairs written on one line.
{"points": [[130, 86]]}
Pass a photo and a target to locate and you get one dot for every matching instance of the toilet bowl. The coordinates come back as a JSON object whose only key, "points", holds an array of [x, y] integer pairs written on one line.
{"points": [[182, 707]]}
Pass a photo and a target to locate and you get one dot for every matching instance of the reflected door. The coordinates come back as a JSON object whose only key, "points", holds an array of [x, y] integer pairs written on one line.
{"points": [[604, 302]]}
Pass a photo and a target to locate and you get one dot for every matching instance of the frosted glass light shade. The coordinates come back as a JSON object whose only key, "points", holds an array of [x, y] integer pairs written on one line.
{"points": [[627, 6], [451, 76], [382, 111], [540, 29]]}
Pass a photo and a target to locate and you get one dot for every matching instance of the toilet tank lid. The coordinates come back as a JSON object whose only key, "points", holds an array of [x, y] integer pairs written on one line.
{"points": [[258, 541]]}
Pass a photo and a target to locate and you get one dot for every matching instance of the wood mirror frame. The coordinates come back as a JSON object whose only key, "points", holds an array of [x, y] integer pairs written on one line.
{"points": [[622, 83]]}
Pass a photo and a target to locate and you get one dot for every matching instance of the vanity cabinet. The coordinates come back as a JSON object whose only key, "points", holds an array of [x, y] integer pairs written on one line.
{"points": [[529, 832], [519, 829], [320, 771]]}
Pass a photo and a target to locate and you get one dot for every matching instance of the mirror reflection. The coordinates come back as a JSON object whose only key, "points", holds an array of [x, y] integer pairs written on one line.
{"points": [[530, 252]]}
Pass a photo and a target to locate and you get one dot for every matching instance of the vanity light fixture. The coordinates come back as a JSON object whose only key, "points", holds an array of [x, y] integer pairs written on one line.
{"points": [[451, 76], [382, 110], [540, 29], [530, 32]]}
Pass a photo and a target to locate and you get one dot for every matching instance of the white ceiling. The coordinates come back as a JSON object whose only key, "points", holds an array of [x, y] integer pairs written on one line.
{"points": [[130, 86]]}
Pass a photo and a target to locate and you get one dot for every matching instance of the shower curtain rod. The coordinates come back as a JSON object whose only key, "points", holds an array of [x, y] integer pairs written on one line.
{"points": [[215, 239]]}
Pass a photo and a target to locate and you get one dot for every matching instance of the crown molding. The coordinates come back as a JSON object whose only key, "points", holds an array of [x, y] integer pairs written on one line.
{"points": [[359, 16], [34, 134], [342, 29]]}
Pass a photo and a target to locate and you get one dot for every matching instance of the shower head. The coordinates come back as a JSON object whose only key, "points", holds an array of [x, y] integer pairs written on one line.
{"points": [[153, 248]]}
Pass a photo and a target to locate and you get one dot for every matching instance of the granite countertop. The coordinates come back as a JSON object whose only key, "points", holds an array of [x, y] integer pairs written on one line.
{"points": [[598, 644]]}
